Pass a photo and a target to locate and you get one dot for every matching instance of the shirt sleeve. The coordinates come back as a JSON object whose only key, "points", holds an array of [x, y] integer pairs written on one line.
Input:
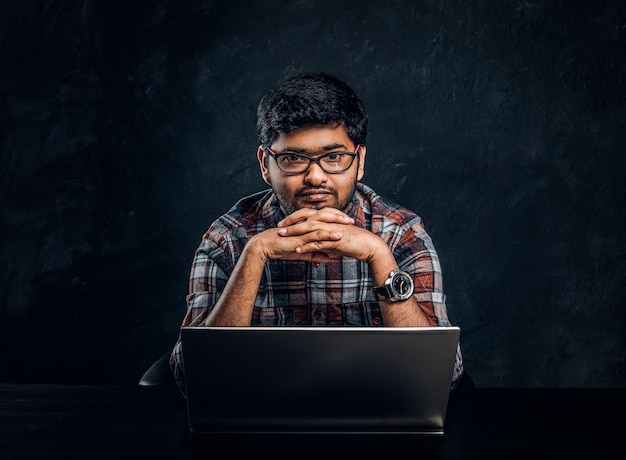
{"points": [[207, 280], [416, 254]]}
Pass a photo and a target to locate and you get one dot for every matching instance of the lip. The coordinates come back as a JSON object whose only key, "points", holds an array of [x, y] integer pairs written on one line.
{"points": [[315, 195]]}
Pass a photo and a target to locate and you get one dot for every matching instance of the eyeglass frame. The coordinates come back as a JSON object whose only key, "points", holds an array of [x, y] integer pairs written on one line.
{"points": [[311, 159]]}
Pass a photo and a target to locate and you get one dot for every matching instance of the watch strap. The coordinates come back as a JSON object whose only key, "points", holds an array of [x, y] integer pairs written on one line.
{"points": [[382, 292]]}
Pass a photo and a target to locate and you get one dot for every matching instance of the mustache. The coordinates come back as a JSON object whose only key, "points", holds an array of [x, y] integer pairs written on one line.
{"points": [[305, 190]]}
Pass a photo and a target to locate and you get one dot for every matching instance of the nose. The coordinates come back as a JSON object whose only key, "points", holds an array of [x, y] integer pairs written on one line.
{"points": [[315, 175]]}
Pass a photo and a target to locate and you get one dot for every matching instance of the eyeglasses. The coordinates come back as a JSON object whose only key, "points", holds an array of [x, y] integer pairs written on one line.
{"points": [[297, 163]]}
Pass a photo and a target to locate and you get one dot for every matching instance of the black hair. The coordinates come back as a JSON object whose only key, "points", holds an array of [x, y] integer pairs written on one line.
{"points": [[310, 99]]}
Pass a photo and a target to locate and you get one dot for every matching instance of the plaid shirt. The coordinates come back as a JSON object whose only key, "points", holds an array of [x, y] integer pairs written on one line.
{"points": [[296, 293]]}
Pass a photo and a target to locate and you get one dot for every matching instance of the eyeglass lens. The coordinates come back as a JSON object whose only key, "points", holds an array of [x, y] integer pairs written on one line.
{"points": [[332, 162]]}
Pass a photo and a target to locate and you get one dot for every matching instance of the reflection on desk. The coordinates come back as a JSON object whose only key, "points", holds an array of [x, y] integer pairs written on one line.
{"points": [[91, 421]]}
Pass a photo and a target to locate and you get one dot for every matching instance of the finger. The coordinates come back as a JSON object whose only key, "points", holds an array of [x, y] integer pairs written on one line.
{"points": [[314, 224], [311, 230], [330, 215], [298, 216], [299, 228], [320, 245]]}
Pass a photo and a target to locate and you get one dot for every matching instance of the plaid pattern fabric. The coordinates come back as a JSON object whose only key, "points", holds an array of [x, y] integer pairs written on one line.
{"points": [[294, 293]]}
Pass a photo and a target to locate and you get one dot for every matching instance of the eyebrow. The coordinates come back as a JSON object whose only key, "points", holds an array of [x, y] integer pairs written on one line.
{"points": [[326, 148]]}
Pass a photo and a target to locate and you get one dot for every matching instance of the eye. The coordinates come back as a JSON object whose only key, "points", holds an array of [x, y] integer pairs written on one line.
{"points": [[292, 158], [334, 157]]}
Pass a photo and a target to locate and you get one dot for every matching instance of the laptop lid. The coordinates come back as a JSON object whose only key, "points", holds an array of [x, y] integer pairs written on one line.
{"points": [[318, 380]]}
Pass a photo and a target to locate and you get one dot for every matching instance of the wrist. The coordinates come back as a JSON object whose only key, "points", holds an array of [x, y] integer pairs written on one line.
{"points": [[382, 263], [255, 251]]}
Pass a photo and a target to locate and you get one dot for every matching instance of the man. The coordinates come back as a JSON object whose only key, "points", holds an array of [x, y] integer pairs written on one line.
{"points": [[319, 248]]}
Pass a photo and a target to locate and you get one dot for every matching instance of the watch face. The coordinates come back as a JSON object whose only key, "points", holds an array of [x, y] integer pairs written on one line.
{"points": [[402, 285]]}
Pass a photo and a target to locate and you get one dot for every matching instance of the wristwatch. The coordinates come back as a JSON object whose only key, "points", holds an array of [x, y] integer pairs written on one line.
{"points": [[399, 286]]}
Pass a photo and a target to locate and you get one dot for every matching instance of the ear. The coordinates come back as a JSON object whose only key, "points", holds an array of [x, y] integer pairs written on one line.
{"points": [[361, 172], [263, 159]]}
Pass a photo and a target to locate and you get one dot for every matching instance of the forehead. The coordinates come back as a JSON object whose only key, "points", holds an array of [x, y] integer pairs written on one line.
{"points": [[314, 138]]}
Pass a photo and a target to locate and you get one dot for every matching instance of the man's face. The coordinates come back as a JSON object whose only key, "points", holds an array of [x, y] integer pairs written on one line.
{"points": [[313, 188]]}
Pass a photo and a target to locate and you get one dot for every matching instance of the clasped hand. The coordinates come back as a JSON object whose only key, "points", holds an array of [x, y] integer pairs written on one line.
{"points": [[319, 235]]}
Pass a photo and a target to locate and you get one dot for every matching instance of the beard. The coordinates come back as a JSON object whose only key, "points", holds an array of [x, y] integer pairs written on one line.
{"points": [[289, 205]]}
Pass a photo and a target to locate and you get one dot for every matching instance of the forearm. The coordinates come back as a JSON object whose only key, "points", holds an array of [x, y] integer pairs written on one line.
{"points": [[236, 303], [405, 313]]}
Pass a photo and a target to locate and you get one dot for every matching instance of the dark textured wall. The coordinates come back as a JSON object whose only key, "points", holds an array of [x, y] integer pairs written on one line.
{"points": [[127, 127]]}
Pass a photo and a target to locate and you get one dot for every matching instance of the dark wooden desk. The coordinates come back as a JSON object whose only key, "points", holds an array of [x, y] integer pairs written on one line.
{"points": [[80, 421]]}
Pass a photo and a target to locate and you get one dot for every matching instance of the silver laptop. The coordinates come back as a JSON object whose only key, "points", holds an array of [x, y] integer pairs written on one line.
{"points": [[356, 382]]}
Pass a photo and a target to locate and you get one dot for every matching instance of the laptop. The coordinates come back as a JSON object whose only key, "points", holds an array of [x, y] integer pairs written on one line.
{"points": [[339, 384]]}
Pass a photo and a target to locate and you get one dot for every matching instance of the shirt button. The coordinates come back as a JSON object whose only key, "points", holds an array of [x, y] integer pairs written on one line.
{"points": [[376, 320]]}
